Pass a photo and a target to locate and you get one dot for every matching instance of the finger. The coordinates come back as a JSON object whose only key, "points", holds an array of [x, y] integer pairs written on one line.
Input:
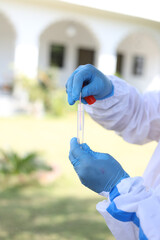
{"points": [[69, 83], [69, 86], [85, 147], [73, 160], [96, 155], [70, 99], [91, 89], [79, 78], [69, 89], [70, 79], [76, 150]]}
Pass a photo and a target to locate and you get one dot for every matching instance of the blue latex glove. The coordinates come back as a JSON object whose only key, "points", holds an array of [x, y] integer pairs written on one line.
{"points": [[97, 171], [95, 83]]}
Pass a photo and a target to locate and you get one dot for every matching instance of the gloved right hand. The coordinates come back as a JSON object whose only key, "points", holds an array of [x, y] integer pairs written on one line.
{"points": [[88, 80]]}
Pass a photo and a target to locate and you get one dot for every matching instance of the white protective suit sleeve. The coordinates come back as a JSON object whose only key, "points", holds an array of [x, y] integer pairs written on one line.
{"points": [[132, 210], [134, 116]]}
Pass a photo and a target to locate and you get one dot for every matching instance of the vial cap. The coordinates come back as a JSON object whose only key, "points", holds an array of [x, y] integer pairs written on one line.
{"points": [[90, 99]]}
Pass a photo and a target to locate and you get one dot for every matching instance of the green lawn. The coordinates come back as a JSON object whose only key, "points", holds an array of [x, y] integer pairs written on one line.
{"points": [[65, 209]]}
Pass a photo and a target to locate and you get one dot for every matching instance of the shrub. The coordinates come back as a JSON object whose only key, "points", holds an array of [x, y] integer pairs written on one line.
{"points": [[11, 163], [45, 90], [59, 104]]}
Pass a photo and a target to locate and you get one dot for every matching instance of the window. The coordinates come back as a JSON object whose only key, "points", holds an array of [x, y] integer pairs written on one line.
{"points": [[85, 56], [120, 61], [56, 56], [138, 65]]}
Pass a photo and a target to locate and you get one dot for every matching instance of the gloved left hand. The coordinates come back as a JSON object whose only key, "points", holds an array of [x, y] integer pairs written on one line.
{"points": [[97, 171]]}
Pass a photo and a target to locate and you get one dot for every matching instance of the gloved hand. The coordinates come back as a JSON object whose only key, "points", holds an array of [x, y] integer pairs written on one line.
{"points": [[97, 171], [95, 83]]}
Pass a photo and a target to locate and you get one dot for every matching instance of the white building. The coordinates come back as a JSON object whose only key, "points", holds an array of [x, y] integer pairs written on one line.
{"points": [[37, 34]]}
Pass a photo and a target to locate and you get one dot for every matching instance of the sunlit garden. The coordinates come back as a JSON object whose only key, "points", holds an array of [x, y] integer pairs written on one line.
{"points": [[55, 207]]}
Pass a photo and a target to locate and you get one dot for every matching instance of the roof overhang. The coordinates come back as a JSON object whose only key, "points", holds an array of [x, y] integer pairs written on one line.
{"points": [[145, 9]]}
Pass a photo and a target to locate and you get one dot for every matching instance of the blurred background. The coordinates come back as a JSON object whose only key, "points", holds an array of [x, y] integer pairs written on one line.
{"points": [[41, 43]]}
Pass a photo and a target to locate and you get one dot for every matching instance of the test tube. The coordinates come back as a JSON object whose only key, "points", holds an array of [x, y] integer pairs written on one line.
{"points": [[80, 122]]}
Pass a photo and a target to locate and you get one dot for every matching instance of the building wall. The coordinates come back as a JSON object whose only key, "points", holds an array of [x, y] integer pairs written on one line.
{"points": [[144, 45], [7, 47], [71, 35], [36, 24]]}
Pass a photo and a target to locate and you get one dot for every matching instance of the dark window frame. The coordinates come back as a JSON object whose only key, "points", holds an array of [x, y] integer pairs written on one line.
{"points": [[138, 65], [120, 63], [81, 50], [56, 55]]}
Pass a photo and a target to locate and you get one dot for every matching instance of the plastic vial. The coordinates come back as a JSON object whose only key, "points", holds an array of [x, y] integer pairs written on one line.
{"points": [[80, 123]]}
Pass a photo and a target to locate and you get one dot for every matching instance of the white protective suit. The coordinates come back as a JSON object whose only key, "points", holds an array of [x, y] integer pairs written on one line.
{"points": [[132, 210]]}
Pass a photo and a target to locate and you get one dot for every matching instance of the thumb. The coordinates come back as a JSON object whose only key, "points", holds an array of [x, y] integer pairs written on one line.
{"points": [[87, 149], [76, 149], [96, 155], [90, 89]]}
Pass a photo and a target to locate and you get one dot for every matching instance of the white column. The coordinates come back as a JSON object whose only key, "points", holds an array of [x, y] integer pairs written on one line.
{"points": [[26, 55], [107, 62]]}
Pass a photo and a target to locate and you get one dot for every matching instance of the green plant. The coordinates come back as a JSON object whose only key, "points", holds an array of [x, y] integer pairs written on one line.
{"points": [[59, 104], [46, 90], [40, 89], [11, 163], [54, 99]]}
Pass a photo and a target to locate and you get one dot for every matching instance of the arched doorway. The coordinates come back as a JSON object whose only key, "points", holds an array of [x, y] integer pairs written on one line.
{"points": [[63, 46], [7, 48], [138, 60]]}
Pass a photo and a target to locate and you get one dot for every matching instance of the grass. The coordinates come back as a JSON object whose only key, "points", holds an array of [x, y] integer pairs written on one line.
{"points": [[50, 213], [65, 209]]}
